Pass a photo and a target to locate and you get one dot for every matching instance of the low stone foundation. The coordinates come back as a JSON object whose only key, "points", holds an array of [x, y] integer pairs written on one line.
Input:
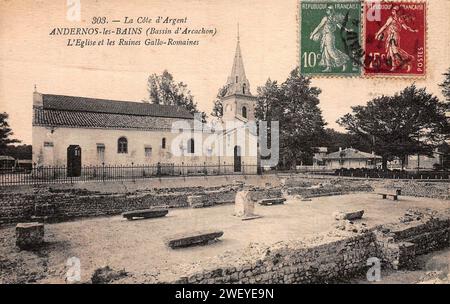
{"points": [[45, 204], [317, 261], [329, 190], [438, 190], [61, 202], [332, 257], [399, 243]]}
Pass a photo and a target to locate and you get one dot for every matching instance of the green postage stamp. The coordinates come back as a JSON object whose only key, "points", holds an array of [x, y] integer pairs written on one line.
{"points": [[330, 37]]}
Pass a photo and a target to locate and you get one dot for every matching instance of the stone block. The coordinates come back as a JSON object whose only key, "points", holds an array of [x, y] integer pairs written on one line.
{"points": [[105, 275], [193, 238], [197, 201], [29, 235], [272, 201], [353, 215], [146, 213]]}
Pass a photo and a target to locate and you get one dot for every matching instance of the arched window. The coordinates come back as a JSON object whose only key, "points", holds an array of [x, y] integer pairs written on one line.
{"points": [[244, 112], [163, 143], [243, 88], [190, 146], [122, 145]]}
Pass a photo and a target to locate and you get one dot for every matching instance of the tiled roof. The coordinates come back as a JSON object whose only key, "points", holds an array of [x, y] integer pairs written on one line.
{"points": [[69, 111], [350, 153], [84, 104], [58, 118]]}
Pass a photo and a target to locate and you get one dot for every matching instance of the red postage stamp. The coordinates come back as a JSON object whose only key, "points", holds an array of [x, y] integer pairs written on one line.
{"points": [[394, 38]]}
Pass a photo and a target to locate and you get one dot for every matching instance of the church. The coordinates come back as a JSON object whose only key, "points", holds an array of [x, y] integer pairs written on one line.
{"points": [[78, 132]]}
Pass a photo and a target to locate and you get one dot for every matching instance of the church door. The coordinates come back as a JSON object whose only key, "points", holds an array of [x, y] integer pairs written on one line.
{"points": [[73, 161], [237, 159]]}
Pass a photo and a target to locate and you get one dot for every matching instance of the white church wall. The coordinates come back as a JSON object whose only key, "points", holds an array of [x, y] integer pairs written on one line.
{"points": [[50, 147]]}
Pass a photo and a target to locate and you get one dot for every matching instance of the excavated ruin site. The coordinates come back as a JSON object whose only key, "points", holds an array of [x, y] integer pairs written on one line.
{"points": [[299, 241]]}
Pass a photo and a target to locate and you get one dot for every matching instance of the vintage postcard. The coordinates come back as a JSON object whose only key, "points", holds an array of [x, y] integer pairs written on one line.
{"points": [[227, 142]]}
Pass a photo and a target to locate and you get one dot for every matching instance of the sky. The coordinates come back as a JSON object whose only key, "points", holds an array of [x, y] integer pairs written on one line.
{"points": [[268, 33]]}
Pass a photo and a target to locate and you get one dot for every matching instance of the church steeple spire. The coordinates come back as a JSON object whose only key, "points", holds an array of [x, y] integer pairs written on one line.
{"points": [[237, 82]]}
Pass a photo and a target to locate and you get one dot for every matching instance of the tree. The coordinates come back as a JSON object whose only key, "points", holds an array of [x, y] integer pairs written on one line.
{"points": [[294, 104], [217, 110], [445, 149], [5, 133], [410, 122], [162, 89], [19, 151], [334, 140], [269, 97], [446, 85], [266, 108]]}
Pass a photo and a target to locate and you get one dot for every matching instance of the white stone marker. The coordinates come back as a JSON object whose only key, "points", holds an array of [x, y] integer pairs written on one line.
{"points": [[244, 205], [29, 235]]}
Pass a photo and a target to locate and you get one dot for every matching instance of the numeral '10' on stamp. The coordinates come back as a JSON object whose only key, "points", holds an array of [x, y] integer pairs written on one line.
{"points": [[330, 33]]}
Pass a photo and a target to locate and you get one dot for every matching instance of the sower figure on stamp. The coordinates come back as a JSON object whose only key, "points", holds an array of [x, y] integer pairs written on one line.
{"points": [[395, 55], [325, 33]]}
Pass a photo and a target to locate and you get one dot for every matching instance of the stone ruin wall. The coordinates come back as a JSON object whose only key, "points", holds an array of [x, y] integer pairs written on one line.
{"points": [[332, 257], [328, 259], [58, 205], [437, 190], [415, 188], [294, 262], [62, 202]]}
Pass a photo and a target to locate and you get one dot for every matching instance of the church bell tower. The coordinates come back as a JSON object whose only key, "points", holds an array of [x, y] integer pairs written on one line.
{"points": [[238, 102]]}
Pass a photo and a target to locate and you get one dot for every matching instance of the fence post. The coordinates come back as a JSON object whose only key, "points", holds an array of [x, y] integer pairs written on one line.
{"points": [[71, 173], [34, 174], [132, 172]]}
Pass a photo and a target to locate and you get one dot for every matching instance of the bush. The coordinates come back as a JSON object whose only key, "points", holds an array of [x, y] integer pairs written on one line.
{"points": [[396, 174]]}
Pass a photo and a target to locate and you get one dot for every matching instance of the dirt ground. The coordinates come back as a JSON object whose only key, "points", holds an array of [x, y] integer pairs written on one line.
{"points": [[139, 248]]}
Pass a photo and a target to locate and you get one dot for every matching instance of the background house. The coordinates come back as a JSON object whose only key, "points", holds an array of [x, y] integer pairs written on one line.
{"points": [[424, 162], [351, 158], [320, 153], [7, 162]]}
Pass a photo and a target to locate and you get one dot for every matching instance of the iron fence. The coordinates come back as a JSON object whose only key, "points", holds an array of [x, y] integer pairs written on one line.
{"points": [[63, 174]]}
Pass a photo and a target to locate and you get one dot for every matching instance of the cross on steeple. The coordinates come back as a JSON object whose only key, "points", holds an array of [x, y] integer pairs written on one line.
{"points": [[238, 32]]}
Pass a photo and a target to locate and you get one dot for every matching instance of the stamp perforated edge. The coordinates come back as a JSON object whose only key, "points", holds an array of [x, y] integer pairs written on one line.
{"points": [[299, 38], [397, 76]]}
